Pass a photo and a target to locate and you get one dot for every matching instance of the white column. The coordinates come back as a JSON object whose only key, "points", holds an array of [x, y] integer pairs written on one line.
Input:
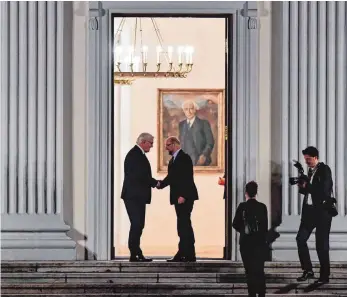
{"points": [[42, 107], [23, 108], [30, 227], [13, 141], [60, 106], [253, 104], [234, 127], [322, 43], [32, 106], [312, 75], [51, 101], [322, 79], [241, 56], [4, 99], [285, 107], [303, 58], [331, 53], [341, 115], [294, 97]]}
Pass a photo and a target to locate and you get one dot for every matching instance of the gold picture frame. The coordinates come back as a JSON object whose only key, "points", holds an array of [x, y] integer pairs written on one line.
{"points": [[209, 118]]}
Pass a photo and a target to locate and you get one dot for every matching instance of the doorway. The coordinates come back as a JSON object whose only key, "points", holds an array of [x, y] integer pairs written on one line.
{"points": [[211, 37], [242, 133]]}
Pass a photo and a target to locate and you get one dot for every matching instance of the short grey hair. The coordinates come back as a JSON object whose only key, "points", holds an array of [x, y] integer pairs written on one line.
{"points": [[190, 102], [144, 137], [173, 139]]}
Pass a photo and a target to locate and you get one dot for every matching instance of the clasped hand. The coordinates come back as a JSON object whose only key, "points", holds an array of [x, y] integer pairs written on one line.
{"points": [[181, 200]]}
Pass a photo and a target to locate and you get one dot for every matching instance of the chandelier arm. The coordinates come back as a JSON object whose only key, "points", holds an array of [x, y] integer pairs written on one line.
{"points": [[135, 34], [160, 39], [141, 35], [120, 28]]}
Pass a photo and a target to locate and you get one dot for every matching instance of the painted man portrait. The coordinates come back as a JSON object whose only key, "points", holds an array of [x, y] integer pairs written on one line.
{"points": [[195, 135], [195, 116]]}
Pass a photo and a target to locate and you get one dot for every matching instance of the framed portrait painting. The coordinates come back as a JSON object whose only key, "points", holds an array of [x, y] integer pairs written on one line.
{"points": [[196, 117]]}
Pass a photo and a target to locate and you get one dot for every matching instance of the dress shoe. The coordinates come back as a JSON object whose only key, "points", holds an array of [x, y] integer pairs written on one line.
{"points": [[305, 276], [322, 281], [140, 258], [176, 259], [189, 259]]}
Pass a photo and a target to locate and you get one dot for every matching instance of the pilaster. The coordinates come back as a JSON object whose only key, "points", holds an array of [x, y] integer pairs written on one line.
{"points": [[34, 51]]}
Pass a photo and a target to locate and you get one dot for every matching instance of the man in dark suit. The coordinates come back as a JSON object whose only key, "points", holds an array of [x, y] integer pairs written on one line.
{"points": [[196, 135], [137, 192], [251, 220], [183, 193], [314, 215]]}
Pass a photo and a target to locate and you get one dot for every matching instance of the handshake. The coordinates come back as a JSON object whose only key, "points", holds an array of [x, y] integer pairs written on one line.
{"points": [[159, 184]]}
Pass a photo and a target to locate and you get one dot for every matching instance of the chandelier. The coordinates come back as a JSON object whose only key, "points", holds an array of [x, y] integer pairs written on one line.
{"points": [[132, 61]]}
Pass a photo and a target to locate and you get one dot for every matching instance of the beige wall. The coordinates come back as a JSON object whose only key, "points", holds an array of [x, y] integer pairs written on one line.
{"points": [[160, 234]]}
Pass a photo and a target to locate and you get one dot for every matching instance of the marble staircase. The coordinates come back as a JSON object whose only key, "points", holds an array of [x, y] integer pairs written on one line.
{"points": [[158, 278]]}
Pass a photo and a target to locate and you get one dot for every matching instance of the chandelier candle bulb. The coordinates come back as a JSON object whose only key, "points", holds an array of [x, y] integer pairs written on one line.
{"points": [[169, 52], [136, 63], [144, 54], [180, 52], [159, 49]]}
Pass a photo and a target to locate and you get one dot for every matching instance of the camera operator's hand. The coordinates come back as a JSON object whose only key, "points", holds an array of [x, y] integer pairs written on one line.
{"points": [[302, 185]]}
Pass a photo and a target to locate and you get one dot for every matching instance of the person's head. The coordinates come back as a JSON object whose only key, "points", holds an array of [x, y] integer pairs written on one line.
{"points": [[189, 108], [311, 156], [172, 144], [251, 190], [145, 141]]}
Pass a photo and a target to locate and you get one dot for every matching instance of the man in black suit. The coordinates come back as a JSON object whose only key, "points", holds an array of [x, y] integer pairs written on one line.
{"points": [[251, 220], [137, 192], [314, 215], [183, 193], [196, 135]]}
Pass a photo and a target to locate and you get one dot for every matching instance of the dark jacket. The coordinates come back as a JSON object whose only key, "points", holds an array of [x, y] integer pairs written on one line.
{"points": [[259, 209], [137, 177], [180, 178], [202, 139], [320, 186]]}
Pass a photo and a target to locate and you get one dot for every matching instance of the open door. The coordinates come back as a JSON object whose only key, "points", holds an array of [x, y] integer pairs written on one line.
{"points": [[228, 136]]}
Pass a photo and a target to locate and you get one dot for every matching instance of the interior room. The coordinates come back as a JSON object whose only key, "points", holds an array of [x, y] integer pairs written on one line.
{"points": [[142, 104]]}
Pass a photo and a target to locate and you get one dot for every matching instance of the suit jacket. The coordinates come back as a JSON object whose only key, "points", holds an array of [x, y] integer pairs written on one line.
{"points": [[180, 178], [202, 138], [138, 178], [260, 210], [320, 186]]}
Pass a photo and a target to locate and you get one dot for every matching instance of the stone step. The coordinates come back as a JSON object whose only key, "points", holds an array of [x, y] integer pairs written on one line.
{"points": [[169, 295], [154, 267], [167, 288], [121, 277]]}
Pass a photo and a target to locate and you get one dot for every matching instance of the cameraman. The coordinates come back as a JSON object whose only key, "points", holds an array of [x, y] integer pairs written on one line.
{"points": [[316, 190]]}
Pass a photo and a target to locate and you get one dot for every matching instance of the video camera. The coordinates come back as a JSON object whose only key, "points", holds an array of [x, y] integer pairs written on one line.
{"points": [[302, 176]]}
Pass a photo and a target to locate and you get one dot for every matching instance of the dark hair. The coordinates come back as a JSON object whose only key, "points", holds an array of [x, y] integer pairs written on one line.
{"points": [[311, 151], [252, 189]]}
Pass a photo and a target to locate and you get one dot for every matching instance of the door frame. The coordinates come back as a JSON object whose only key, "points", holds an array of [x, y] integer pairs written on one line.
{"points": [[244, 98]]}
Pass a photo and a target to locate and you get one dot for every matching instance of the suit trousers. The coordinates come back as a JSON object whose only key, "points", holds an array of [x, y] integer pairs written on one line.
{"points": [[311, 218], [253, 258], [185, 231], [136, 212]]}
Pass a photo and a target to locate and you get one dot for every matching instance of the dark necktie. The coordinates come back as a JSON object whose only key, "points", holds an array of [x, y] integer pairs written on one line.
{"points": [[310, 173]]}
